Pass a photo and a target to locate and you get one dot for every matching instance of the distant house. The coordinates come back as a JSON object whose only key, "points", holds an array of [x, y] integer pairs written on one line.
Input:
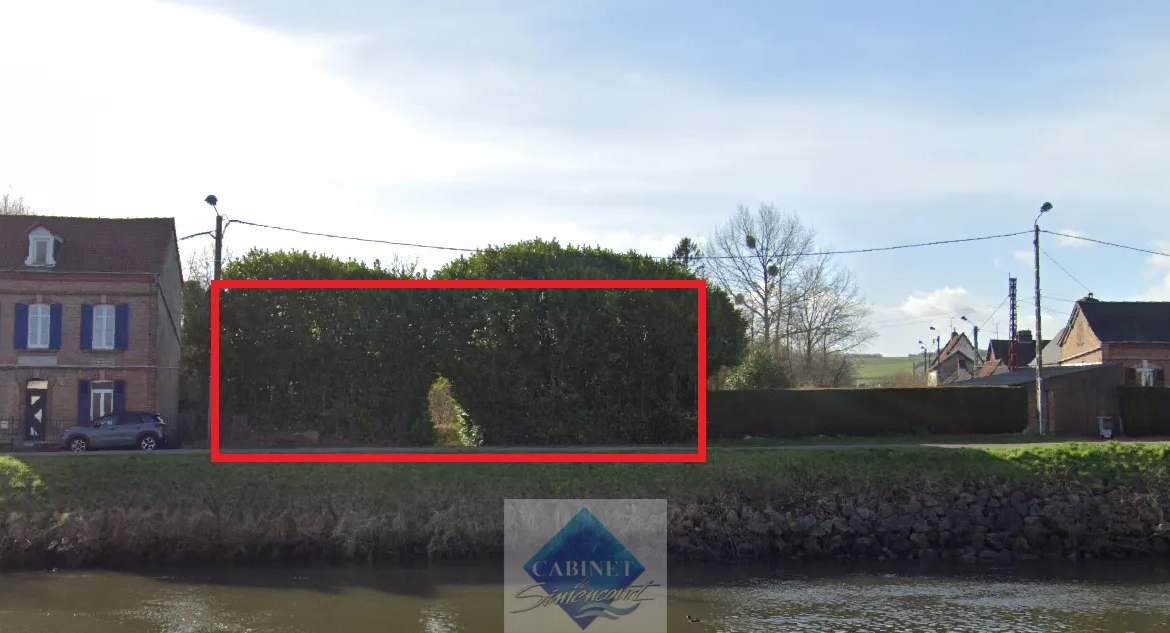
{"points": [[999, 354], [958, 361], [1133, 333], [1050, 351]]}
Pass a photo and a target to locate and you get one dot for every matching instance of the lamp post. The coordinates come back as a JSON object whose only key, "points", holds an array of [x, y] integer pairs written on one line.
{"points": [[217, 273], [974, 341]]}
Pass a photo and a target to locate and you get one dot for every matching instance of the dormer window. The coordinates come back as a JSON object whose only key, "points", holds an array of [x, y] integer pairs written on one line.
{"points": [[40, 248]]}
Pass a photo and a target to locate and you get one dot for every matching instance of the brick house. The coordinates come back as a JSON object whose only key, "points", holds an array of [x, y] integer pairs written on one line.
{"points": [[90, 313], [1133, 333]]}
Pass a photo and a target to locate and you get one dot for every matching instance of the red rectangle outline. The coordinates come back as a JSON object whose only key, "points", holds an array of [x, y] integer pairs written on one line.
{"points": [[309, 284]]}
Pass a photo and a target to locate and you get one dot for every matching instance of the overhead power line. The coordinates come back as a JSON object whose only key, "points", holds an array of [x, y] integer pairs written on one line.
{"points": [[997, 308], [355, 239], [1113, 244], [1065, 271], [473, 250]]}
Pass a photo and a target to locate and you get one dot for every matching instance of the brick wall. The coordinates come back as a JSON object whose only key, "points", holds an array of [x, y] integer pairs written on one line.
{"points": [[72, 363], [1132, 354], [1082, 345], [169, 303], [62, 409]]}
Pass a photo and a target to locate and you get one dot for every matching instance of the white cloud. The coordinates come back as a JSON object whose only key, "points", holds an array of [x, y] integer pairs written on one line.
{"points": [[1159, 261], [1069, 237], [1161, 266], [943, 301], [1026, 257]]}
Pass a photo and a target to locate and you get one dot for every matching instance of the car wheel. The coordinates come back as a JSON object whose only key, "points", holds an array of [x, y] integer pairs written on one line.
{"points": [[147, 443], [78, 445]]}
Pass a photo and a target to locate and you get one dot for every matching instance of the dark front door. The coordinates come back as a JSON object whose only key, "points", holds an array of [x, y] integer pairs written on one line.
{"points": [[36, 413]]}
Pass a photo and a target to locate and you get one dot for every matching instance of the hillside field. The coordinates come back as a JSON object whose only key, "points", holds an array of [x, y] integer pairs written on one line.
{"points": [[872, 367]]}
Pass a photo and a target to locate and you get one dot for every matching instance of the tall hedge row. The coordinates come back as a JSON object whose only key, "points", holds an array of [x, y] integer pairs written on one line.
{"points": [[866, 412], [581, 366], [1145, 411], [567, 366]]}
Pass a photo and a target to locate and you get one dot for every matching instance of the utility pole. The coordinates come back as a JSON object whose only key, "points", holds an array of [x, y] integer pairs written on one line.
{"points": [[1045, 208], [218, 245], [217, 274]]}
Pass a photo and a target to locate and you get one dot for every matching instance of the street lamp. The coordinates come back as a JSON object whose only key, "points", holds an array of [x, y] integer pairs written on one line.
{"points": [[975, 340], [213, 201]]}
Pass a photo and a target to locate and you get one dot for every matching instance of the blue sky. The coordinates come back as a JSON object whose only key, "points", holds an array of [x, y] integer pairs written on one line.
{"points": [[628, 124]]}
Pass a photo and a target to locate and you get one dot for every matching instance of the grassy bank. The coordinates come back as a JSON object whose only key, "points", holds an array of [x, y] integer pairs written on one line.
{"points": [[102, 510]]}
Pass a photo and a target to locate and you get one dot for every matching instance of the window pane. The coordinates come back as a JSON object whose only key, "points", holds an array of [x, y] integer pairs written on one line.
{"points": [[103, 327], [38, 325], [41, 250], [102, 399]]}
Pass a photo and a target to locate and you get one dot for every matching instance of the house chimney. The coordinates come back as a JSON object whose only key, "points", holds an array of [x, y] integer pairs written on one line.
{"points": [[1024, 336]]}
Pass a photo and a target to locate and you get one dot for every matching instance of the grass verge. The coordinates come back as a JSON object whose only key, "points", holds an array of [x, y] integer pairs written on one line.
{"points": [[979, 440]]}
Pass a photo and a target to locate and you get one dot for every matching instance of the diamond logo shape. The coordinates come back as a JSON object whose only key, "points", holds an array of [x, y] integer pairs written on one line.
{"points": [[585, 567]]}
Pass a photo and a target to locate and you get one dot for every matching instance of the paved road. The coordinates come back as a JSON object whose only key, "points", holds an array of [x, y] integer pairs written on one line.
{"points": [[597, 449]]}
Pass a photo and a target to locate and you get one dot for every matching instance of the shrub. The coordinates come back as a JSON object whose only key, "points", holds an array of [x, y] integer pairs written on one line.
{"points": [[450, 422], [760, 370]]}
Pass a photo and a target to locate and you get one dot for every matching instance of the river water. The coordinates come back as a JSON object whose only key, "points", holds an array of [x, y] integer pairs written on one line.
{"points": [[1085, 598]]}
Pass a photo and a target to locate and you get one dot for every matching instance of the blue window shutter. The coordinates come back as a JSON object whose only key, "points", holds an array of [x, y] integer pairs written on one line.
{"points": [[20, 327], [119, 396], [122, 326], [55, 326], [84, 409], [86, 327]]}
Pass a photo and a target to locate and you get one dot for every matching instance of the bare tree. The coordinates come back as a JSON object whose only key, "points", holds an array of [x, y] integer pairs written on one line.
{"points": [[803, 305], [757, 259], [830, 322], [14, 205], [200, 265]]}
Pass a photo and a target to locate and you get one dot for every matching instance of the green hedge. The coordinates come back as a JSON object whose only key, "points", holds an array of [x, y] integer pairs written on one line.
{"points": [[866, 412], [1145, 410]]}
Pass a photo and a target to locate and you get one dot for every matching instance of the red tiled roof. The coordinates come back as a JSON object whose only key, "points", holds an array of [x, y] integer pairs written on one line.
{"points": [[115, 245], [988, 368]]}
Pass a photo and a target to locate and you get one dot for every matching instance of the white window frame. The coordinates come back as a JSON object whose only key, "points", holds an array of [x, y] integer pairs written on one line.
{"points": [[40, 325], [40, 237], [105, 402], [104, 326]]}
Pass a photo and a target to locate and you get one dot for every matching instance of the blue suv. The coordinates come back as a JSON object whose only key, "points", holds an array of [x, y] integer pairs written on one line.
{"points": [[129, 429]]}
